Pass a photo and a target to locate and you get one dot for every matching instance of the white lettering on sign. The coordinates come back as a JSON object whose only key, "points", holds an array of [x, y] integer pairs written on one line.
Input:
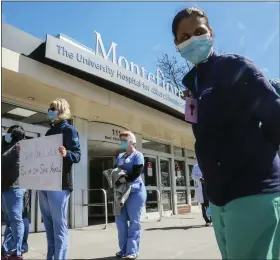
{"points": [[40, 163], [174, 90], [105, 132], [117, 69]]}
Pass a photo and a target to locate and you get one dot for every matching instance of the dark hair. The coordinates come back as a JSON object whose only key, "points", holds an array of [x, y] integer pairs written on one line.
{"points": [[186, 13], [17, 132]]}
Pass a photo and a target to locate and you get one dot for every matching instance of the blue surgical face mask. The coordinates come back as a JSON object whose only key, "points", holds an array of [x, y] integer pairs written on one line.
{"points": [[8, 138], [124, 144], [197, 49], [52, 115]]}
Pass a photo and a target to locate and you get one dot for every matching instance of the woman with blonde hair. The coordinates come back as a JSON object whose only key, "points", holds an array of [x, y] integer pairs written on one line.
{"points": [[54, 204], [132, 162]]}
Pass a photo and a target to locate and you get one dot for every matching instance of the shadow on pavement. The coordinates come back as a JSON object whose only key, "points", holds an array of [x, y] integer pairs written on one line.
{"points": [[102, 258], [175, 228]]}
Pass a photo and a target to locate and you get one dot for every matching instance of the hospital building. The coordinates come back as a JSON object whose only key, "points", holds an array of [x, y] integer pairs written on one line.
{"points": [[108, 93]]}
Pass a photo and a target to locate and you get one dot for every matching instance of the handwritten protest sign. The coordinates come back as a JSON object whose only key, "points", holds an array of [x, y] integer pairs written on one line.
{"points": [[40, 163]]}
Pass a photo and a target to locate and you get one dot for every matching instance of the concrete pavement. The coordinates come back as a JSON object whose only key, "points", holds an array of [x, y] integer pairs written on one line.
{"points": [[176, 237]]}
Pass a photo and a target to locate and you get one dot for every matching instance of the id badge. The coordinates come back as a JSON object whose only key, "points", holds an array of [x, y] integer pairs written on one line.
{"points": [[191, 110]]}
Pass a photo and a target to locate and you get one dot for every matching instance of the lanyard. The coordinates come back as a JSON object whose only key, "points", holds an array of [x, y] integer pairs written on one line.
{"points": [[195, 83]]}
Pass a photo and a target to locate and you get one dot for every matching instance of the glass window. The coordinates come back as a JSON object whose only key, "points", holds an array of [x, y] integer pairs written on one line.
{"points": [[178, 151], [180, 173], [151, 202], [190, 174], [194, 201], [191, 154], [155, 146], [166, 201], [165, 173], [182, 197], [150, 172]]}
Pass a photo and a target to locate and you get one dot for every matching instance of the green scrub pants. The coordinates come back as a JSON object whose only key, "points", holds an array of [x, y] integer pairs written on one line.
{"points": [[249, 227]]}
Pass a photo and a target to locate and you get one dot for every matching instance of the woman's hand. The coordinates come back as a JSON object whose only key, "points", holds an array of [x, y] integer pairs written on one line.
{"points": [[62, 150]]}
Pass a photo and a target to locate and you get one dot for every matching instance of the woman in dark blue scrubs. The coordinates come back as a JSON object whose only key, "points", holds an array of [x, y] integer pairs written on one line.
{"points": [[236, 124]]}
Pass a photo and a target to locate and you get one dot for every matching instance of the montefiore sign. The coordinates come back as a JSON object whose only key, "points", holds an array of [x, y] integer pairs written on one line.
{"points": [[117, 69]]}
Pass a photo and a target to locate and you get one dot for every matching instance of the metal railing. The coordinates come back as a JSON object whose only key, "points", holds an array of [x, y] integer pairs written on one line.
{"points": [[158, 201], [105, 204]]}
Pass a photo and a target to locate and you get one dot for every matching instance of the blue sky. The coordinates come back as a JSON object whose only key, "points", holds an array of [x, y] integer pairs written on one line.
{"points": [[143, 29]]}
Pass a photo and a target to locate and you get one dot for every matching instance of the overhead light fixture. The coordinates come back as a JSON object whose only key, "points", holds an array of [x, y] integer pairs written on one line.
{"points": [[31, 98], [96, 117], [21, 112], [126, 123]]}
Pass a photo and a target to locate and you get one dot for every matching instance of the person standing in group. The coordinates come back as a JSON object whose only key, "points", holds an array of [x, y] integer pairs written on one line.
{"points": [[200, 193], [54, 204], [236, 124], [132, 162], [12, 195], [8, 241]]}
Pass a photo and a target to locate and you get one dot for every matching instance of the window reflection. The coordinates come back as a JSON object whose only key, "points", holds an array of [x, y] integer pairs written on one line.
{"points": [[165, 175], [182, 197], [194, 201], [151, 202], [179, 152], [190, 174], [155, 146], [150, 172], [180, 173], [166, 200]]}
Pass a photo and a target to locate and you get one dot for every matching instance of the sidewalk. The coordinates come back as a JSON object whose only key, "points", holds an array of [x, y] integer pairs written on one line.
{"points": [[177, 237]]}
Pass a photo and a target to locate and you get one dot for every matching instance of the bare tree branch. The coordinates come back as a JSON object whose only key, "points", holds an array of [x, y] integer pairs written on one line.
{"points": [[173, 71]]}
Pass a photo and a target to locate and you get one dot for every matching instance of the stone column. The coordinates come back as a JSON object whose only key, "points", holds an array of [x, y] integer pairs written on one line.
{"points": [[79, 214]]}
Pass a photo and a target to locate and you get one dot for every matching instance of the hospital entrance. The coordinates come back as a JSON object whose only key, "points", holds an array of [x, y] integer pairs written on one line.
{"points": [[101, 156], [156, 176]]}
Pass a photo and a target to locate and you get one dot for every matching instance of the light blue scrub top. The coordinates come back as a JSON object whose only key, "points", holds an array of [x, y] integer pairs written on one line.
{"points": [[136, 158]]}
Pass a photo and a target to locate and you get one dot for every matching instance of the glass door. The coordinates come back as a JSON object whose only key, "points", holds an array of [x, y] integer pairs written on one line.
{"points": [[96, 182], [165, 183], [181, 182], [150, 178], [194, 202]]}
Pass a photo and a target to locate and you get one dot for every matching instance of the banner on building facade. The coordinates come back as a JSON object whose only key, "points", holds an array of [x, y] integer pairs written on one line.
{"points": [[116, 69]]}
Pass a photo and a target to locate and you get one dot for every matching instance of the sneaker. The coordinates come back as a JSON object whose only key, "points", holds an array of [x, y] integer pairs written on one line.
{"points": [[24, 251], [131, 257], [207, 224], [119, 255]]}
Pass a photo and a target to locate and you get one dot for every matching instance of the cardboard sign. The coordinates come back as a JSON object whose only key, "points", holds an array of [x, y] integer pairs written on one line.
{"points": [[40, 163]]}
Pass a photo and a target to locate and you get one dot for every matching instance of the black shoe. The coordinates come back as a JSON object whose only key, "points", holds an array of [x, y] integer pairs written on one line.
{"points": [[15, 257], [119, 255], [24, 251]]}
